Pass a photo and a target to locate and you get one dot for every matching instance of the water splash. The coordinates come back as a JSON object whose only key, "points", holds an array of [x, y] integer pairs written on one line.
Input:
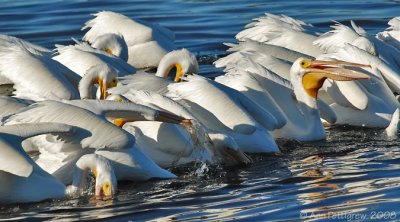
{"points": [[202, 170], [204, 147]]}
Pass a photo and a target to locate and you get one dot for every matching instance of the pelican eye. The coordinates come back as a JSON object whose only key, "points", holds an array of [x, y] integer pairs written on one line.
{"points": [[108, 50], [305, 64], [113, 83]]}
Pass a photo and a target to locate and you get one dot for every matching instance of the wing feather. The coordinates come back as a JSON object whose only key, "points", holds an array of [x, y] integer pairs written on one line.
{"points": [[39, 70]]}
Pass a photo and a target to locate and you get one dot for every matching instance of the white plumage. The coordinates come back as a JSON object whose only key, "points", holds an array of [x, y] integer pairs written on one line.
{"points": [[282, 31], [392, 34], [192, 86], [362, 103], [269, 91], [340, 35], [176, 136], [225, 110], [81, 57], [171, 144], [286, 100], [58, 155], [147, 43], [21, 178], [113, 44], [24, 181], [41, 78], [369, 103], [10, 105], [392, 129], [38, 70]]}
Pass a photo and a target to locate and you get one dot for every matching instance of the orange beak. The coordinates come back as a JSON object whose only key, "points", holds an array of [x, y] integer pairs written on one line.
{"points": [[317, 71]]}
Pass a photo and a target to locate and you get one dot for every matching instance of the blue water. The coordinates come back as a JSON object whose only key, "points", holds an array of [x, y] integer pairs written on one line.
{"points": [[353, 176]]}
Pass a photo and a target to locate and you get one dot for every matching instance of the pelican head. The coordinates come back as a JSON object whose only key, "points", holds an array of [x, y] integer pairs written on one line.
{"points": [[182, 61], [112, 44], [308, 76], [102, 75], [106, 181]]}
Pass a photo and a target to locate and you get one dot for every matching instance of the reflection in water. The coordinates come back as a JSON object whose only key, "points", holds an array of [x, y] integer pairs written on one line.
{"points": [[348, 192], [288, 186]]}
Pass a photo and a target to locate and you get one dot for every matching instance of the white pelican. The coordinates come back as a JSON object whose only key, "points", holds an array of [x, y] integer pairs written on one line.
{"points": [[10, 105], [113, 44], [96, 135], [213, 109], [38, 70], [183, 61], [392, 34], [12, 40], [363, 103], [167, 144], [43, 78], [297, 101], [307, 76], [249, 58], [227, 111], [287, 32], [371, 102], [370, 106], [147, 43], [171, 144], [81, 57], [282, 31], [278, 56], [106, 184], [250, 74], [241, 106], [340, 35], [102, 75], [173, 66], [24, 181], [388, 44], [28, 45]]}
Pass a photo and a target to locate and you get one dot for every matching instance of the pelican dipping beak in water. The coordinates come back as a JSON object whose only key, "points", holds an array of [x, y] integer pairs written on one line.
{"points": [[102, 75], [106, 181], [183, 61]]}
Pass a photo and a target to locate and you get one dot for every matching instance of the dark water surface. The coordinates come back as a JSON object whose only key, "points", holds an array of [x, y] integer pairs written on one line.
{"points": [[353, 176]]}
